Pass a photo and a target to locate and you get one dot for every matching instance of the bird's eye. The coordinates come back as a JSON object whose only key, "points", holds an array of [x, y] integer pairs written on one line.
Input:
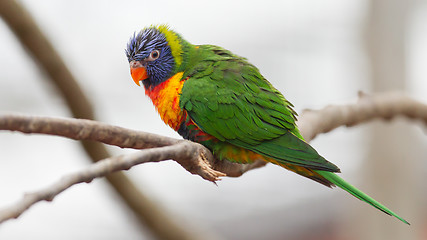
{"points": [[153, 55]]}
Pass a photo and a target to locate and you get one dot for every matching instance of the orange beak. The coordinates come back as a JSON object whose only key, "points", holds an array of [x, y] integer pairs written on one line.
{"points": [[138, 72]]}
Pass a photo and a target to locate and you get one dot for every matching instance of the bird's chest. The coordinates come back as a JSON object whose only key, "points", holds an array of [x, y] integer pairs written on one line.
{"points": [[165, 97]]}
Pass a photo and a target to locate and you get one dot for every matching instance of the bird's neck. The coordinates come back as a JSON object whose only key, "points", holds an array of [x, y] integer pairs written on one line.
{"points": [[165, 97], [189, 53]]}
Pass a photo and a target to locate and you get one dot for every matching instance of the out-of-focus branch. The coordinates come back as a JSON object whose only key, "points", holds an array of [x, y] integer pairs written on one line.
{"points": [[49, 61], [42, 51]]}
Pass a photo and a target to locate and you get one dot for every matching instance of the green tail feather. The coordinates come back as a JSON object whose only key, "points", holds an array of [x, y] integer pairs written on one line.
{"points": [[335, 179]]}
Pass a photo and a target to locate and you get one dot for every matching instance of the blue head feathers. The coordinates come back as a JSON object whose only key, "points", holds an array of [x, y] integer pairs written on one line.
{"points": [[150, 47]]}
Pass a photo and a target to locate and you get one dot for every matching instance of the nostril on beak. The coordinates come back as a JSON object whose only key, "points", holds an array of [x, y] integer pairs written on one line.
{"points": [[135, 64]]}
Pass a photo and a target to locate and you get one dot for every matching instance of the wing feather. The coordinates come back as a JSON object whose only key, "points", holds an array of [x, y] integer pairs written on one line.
{"points": [[229, 99]]}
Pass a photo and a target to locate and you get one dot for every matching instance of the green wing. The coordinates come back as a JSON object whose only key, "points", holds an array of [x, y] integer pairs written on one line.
{"points": [[229, 99]]}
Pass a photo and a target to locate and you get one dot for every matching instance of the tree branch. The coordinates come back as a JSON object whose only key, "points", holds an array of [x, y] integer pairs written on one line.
{"points": [[384, 106], [192, 156], [183, 152], [82, 129]]}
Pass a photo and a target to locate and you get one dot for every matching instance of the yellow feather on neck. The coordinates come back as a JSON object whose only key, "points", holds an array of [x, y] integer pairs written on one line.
{"points": [[173, 42]]}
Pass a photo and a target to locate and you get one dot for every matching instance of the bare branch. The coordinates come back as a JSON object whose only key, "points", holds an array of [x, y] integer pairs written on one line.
{"points": [[183, 152], [41, 50], [192, 156], [379, 106], [82, 129]]}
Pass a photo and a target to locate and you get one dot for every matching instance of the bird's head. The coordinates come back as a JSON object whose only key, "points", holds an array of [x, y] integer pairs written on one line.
{"points": [[154, 55]]}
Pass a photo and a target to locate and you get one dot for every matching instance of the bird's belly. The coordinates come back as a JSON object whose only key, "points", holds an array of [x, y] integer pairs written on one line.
{"points": [[221, 150], [227, 151]]}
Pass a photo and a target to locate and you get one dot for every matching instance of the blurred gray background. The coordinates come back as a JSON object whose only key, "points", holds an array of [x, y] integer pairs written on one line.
{"points": [[315, 52]]}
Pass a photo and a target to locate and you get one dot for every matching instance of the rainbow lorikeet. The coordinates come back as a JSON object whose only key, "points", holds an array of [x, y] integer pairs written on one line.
{"points": [[218, 99]]}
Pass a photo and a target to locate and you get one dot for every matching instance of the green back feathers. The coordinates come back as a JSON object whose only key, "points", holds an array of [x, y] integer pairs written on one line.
{"points": [[228, 98]]}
